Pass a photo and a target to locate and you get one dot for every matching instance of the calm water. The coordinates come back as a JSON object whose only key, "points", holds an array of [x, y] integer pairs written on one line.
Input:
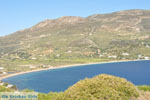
{"points": [[57, 80]]}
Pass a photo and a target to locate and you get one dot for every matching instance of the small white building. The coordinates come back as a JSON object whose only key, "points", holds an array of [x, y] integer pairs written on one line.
{"points": [[4, 72], [32, 67], [58, 55], [125, 54], [112, 56], [101, 55], [9, 86], [44, 66], [33, 58], [69, 51], [147, 46], [146, 58], [1, 68], [139, 56]]}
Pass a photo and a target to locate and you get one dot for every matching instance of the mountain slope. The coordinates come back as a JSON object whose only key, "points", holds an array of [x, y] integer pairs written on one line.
{"points": [[98, 36]]}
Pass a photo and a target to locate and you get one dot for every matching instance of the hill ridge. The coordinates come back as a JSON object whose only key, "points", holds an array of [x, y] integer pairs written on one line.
{"points": [[101, 36]]}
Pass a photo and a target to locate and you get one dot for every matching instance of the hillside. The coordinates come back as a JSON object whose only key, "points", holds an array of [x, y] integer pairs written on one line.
{"points": [[70, 39]]}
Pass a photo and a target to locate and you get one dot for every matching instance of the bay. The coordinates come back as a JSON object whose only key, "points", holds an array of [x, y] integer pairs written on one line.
{"points": [[57, 80]]}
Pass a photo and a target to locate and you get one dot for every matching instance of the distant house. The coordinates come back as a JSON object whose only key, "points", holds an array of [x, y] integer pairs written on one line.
{"points": [[32, 67], [69, 51], [147, 58], [147, 46], [58, 55], [104, 53], [44, 66], [125, 54], [101, 55], [33, 58], [4, 73], [112, 56], [9, 86], [1, 68], [140, 56]]}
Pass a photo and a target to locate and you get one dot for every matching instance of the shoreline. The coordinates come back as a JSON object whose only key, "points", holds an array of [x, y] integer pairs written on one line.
{"points": [[63, 66]]}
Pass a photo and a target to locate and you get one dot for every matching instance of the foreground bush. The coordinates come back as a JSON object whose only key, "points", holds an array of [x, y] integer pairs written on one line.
{"points": [[101, 87]]}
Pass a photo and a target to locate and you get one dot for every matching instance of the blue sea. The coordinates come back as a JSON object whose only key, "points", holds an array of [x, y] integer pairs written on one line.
{"points": [[56, 80]]}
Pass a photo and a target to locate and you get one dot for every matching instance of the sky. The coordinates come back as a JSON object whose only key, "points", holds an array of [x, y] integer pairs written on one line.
{"points": [[20, 14]]}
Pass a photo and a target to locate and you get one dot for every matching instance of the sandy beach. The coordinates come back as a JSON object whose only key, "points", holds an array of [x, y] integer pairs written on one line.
{"points": [[64, 66]]}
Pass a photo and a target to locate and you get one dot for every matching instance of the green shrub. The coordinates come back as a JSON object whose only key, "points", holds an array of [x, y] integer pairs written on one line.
{"points": [[49, 96], [4, 89], [101, 87], [14, 87]]}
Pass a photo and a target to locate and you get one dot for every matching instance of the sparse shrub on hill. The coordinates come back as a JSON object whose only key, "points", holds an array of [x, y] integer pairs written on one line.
{"points": [[144, 88], [4, 89], [50, 96], [101, 87]]}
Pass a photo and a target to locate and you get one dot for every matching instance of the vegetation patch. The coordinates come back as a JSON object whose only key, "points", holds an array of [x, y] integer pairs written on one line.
{"points": [[4, 89], [144, 87], [101, 87]]}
